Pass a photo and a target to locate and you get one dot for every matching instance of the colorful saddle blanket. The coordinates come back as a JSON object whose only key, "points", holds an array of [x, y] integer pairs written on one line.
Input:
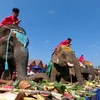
{"points": [[22, 38], [88, 63], [66, 48], [49, 67]]}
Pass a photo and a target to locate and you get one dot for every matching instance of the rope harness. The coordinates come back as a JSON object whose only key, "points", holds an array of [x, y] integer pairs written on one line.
{"points": [[6, 62]]}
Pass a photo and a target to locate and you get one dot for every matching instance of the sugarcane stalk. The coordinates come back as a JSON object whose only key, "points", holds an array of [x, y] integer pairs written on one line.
{"points": [[56, 95]]}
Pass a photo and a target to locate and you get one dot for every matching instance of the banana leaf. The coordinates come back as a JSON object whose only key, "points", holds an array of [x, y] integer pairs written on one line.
{"points": [[32, 83], [74, 94], [78, 87], [48, 69], [42, 84], [82, 98], [90, 94], [60, 87]]}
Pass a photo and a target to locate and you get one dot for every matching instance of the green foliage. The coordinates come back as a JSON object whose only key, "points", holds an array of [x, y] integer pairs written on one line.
{"points": [[60, 87]]}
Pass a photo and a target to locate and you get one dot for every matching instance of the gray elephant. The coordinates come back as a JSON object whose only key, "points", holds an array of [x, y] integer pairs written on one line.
{"points": [[91, 69], [84, 71], [61, 60], [17, 54]]}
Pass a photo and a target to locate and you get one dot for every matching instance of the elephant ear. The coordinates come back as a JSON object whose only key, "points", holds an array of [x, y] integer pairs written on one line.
{"points": [[54, 57]]}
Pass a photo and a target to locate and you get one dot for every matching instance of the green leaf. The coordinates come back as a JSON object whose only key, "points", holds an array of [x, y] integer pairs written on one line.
{"points": [[16, 83], [42, 83], [82, 98], [74, 94], [32, 83], [77, 87], [60, 87], [89, 94]]}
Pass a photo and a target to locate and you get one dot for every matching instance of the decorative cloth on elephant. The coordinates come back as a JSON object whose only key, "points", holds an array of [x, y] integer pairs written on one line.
{"points": [[66, 48], [49, 67], [22, 38], [88, 63]]}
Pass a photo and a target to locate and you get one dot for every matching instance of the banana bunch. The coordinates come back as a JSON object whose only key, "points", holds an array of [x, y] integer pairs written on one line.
{"points": [[90, 84], [49, 86]]}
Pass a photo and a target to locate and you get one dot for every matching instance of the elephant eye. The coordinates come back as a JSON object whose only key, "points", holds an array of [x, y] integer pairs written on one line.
{"points": [[63, 55]]}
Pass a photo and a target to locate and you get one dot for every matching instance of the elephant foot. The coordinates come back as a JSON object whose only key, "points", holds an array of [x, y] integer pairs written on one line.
{"points": [[63, 81], [81, 82]]}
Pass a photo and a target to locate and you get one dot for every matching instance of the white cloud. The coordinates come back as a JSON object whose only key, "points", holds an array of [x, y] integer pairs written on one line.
{"points": [[50, 12], [47, 41]]}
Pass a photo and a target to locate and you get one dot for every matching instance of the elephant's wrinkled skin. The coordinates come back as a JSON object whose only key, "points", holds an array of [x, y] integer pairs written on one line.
{"points": [[61, 60], [18, 55]]}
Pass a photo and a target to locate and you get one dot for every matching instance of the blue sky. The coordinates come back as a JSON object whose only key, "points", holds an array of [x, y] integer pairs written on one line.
{"points": [[48, 22]]}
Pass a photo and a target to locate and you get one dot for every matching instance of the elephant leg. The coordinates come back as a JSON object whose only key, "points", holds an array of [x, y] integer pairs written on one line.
{"points": [[11, 67], [1, 70], [65, 75], [85, 76], [92, 74], [6, 75], [64, 79], [53, 73]]}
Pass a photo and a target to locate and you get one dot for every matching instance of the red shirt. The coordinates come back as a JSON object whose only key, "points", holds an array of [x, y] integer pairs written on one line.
{"points": [[81, 58], [8, 20], [64, 42]]}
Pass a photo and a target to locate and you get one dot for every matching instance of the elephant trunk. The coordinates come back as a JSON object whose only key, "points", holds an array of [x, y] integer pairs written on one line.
{"points": [[21, 60], [77, 69]]}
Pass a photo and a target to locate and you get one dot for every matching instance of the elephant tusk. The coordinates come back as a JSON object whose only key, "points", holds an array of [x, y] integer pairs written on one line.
{"points": [[81, 65], [69, 64], [57, 60]]}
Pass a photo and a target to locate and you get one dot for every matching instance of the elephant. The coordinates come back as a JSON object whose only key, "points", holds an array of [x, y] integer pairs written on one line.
{"points": [[61, 60], [18, 54], [85, 72], [90, 67]]}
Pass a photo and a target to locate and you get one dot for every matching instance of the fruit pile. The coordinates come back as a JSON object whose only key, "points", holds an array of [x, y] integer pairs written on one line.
{"points": [[29, 90]]}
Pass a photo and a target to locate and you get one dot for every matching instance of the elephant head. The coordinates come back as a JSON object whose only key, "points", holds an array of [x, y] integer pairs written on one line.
{"points": [[68, 58], [17, 51]]}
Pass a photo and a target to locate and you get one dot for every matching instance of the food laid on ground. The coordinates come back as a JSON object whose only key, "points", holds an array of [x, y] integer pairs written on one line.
{"points": [[30, 90]]}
